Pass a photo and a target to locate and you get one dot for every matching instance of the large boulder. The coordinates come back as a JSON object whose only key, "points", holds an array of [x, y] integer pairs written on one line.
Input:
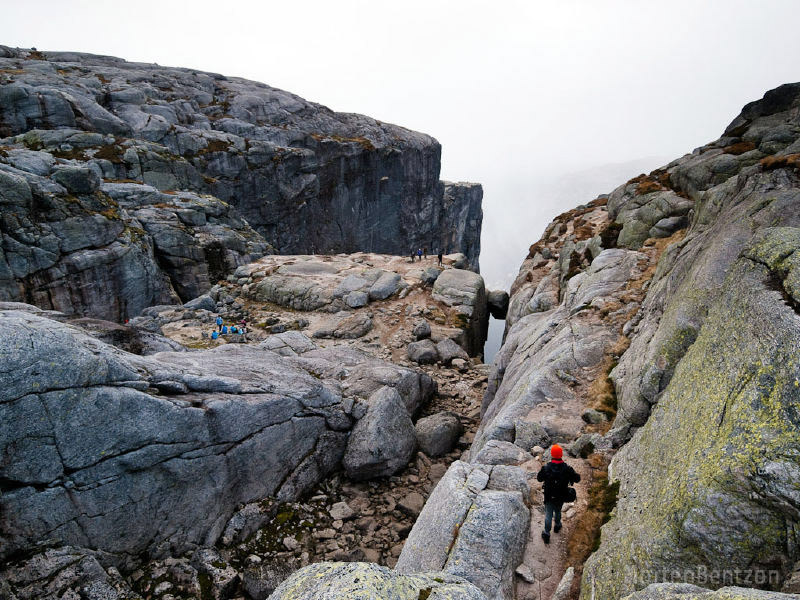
{"points": [[498, 303], [385, 286], [466, 291], [342, 581], [448, 350], [438, 433], [383, 440], [423, 352], [472, 529], [347, 327]]}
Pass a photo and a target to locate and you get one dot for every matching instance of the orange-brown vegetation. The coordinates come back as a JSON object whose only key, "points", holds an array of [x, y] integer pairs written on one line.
{"points": [[585, 537], [787, 161], [739, 148]]}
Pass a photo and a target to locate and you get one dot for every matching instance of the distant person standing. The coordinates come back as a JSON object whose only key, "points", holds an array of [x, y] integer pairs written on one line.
{"points": [[440, 258], [412, 256], [419, 254], [557, 477], [219, 323], [425, 252]]}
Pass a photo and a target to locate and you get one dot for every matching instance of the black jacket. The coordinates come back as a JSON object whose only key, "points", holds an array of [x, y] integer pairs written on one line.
{"points": [[556, 477]]}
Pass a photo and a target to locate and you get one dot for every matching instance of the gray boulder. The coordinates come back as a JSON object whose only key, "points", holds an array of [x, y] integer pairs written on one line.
{"points": [[204, 302], [383, 440], [438, 433], [430, 274], [465, 291], [423, 352], [240, 423], [385, 286], [497, 452], [356, 299], [422, 330], [528, 434], [490, 528], [348, 327], [498, 303], [447, 350]]}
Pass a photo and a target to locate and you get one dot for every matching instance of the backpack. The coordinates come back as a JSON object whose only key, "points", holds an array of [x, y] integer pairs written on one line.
{"points": [[224, 329], [571, 494]]}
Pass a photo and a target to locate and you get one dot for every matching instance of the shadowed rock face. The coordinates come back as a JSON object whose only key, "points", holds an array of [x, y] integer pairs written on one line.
{"points": [[152, 454], [73, 243], [306, 178]]}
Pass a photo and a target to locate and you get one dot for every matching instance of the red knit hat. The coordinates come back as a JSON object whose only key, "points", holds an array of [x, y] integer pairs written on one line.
{"points": [[556, 451]]}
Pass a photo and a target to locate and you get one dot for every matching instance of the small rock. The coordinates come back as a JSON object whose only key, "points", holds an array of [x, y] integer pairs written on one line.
{"points": [[411, 504], [341, 511], [290, 543], [593, 416], [422, 330], [460, 364], [525, 572]]}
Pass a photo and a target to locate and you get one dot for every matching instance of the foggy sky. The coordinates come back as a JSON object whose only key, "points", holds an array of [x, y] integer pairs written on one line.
{"points": [[520, 93]]}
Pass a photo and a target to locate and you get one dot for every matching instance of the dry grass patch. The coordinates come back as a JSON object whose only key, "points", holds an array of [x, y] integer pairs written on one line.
{"points": [[602, 498], [787, 161], [739, 148]]}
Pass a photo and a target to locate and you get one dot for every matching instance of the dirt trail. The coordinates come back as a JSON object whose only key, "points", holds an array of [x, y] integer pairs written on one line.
{"points": [[548, 562]]}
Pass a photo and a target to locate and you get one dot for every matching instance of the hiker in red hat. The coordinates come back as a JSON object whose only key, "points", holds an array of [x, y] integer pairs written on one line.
{"points": [[557, 477]]}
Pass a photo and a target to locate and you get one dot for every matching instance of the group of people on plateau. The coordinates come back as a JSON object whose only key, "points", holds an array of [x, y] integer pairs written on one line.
{"points": [[558, 478], [421, 253]]}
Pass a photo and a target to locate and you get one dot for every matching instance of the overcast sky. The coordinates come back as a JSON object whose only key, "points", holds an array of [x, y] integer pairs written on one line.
{"points": [[519, 93]]}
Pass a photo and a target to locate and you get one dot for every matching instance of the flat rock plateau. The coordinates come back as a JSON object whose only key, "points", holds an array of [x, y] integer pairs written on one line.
{"points": [[351, 443]]}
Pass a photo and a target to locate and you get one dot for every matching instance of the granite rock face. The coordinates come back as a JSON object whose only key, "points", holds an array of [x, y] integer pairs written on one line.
{"points": [[473, 525], [307, 179], [194, 434], [323, 581], [70, 242]]}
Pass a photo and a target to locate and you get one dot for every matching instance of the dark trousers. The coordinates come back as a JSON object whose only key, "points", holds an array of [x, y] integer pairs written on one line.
{"points": [[552, 509]]}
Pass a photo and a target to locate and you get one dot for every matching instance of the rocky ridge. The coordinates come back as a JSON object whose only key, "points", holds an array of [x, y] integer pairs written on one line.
{"points": [[657, 320]]}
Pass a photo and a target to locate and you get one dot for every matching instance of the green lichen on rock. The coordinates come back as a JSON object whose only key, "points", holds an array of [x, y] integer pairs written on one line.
{"points": [[365, 581], [671, 591], [712, 481], [779, 249]]}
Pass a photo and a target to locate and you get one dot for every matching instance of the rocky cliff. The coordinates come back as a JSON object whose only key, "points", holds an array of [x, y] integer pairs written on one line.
{"points": [[669, 308], [306, 179]]}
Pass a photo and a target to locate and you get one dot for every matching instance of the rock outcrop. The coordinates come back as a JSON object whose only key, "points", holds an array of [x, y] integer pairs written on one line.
{"points": [[708, 386], [474, 525], [76, 244], [193, 436], [307, 179]]}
